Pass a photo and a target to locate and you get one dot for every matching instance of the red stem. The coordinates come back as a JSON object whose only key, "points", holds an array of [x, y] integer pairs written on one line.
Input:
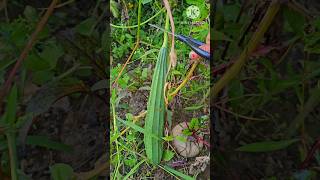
{"points": [[199, 139], [310, 154]]}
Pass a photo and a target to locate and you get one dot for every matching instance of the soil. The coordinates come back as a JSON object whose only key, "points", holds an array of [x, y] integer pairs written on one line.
{"points": [[81, 128]]}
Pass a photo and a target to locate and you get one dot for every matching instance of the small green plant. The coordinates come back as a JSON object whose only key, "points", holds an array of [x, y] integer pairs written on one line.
{"points": [[194, 126]]}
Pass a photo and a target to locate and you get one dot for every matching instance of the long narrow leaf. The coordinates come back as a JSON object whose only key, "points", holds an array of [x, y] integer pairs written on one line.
{"points": [[10, 114], [137, 128], [45, 142], [266, 146], [134, 169], [178, 173], [154, 121]]}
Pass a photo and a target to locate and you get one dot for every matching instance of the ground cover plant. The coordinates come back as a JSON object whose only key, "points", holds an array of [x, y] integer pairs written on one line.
{"points": [[151, 93], [266, 89], [53, 76]]}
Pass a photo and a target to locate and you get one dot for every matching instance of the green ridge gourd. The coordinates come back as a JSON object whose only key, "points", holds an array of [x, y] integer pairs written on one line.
{"points": [[154, 122]]}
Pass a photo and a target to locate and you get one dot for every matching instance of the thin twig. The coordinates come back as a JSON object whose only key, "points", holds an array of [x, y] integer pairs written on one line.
{"points": [[239, 115], [184, 82]]}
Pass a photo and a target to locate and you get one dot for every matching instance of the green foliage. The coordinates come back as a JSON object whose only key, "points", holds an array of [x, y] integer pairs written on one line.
{"points": [[114, 9], [86, 27], [168, 155], [61, 171], [295, 20], [43, 141]]}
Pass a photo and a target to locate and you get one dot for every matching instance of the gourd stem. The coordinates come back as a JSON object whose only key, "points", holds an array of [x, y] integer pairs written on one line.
{"points": [[165, 36]]}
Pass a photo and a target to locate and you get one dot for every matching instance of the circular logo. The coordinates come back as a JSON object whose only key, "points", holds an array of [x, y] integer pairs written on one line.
{"points": [[193, 12]]}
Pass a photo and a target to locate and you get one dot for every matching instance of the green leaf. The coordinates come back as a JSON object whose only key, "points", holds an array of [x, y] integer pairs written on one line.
{"points": [[312, 42], [168, 138], [194, 124], [178, 173], [181, 138], [192, 108], [123, 82], [219, 36], [187, 132], [19, 34], [266, 146], [176, 72], [43, 141], [130, 161], [61, 171], [194, 2], [129, 116], [134, 169], [138, 128], [86, 27], [10, 114], [295, 20], [30, 13], [145, 1], [114, 9], [167, 155], [42, 77], [35, 63], [51, 54], [144, 73], [4, 63]]}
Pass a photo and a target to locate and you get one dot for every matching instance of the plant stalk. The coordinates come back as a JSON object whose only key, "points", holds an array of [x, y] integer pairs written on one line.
{"points": [[252, 45], [12, 154], [184, 82]]}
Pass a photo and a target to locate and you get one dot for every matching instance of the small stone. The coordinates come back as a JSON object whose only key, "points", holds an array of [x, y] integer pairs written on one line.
{"points": [[191, 147]]}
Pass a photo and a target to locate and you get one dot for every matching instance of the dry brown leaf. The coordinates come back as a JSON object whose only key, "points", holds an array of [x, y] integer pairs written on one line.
{"points": [[173, 57]]}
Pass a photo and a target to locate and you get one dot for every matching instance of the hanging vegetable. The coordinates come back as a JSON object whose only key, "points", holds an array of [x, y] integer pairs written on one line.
{"points": [[156, 108]]}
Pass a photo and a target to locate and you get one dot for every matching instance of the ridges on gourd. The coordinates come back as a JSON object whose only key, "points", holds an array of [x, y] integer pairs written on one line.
{"points": [[154, 122]]}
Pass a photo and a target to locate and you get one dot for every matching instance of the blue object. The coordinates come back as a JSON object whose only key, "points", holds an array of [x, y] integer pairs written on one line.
{"points": [[192, 43]]}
